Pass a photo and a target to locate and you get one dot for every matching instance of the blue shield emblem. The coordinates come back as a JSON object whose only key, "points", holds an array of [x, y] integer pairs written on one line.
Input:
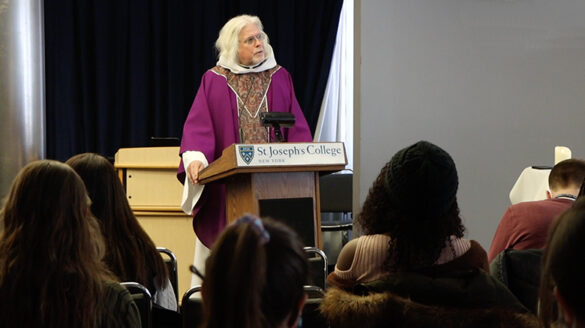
{"points": [[247, 153]]}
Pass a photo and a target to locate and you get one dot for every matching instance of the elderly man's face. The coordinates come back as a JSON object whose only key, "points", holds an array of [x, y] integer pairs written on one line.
{"points": [[250, 45]]}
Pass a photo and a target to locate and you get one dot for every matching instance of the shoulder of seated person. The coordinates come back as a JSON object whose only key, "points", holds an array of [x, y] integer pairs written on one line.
{"points": [[345, 258]]}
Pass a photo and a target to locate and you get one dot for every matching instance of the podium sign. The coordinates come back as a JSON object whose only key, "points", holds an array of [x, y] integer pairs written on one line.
{"points": [[284, 157], [287, 154]]}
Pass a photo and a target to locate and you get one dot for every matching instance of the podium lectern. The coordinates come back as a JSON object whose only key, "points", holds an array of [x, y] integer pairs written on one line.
{"points": [[277, 180]]}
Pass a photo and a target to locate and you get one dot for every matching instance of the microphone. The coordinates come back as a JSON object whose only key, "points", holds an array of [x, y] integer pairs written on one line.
{"points": [[276, 120]]}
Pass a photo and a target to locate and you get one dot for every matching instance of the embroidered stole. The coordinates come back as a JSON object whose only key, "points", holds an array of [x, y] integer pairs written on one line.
{"points": [[250, 90]]}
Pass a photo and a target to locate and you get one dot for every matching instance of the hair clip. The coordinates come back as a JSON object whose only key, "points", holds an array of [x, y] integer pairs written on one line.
{"points": [[257, 225]]}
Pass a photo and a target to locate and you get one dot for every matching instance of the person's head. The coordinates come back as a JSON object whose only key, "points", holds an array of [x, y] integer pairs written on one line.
{"points": [[566, 177], [413, 200], [50, 250], [242, 40], [254, 276], [111, 208], [563, 269], [102, 183]]}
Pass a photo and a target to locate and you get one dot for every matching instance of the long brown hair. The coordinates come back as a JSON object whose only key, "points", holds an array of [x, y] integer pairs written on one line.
{"points": [[51, 273], [252, 282], [563, 266], [130, 253]]}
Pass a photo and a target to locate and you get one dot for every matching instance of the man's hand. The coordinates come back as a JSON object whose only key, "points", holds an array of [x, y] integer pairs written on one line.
{"points": [[193, 171]]}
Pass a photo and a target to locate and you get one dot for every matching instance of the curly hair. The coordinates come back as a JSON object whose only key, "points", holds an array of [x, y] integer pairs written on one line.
{"points": [[414, 242]]}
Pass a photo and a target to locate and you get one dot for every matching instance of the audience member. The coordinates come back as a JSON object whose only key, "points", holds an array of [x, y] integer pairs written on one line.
{"points": [[525, 225], [51, 249], [562, 284], [254, 276], [430, 275], [130, 253]]}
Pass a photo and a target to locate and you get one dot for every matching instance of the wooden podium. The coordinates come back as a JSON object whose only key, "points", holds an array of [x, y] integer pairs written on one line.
{"points": [[277, 180]]}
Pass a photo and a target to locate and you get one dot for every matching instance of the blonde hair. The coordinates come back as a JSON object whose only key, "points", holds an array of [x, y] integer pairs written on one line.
{"points": [[227, 41]]}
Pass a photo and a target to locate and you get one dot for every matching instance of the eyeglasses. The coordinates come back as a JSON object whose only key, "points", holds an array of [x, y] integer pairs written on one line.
{"points": [[251, 40]]}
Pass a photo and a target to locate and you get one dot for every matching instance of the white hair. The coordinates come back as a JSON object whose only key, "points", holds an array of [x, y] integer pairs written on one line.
{"points": [[227, 41]]}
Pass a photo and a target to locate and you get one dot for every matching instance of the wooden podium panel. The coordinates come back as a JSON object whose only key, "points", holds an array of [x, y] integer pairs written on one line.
{"points": [[149, 176], [153, 188], [245, 193]]}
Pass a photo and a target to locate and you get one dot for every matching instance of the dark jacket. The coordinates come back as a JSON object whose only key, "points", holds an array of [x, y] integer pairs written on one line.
{"points": [[469, 298], [120, 310]]}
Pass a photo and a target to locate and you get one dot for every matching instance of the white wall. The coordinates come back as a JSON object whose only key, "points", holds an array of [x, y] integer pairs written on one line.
{"points": [[496, 83]]}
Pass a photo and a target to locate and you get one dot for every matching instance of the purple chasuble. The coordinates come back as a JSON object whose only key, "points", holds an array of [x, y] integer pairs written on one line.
{"points": [[212, 125]]}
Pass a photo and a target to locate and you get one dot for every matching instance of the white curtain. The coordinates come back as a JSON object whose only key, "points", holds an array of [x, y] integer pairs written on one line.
{"points": [[336, 116], [22, 91]]}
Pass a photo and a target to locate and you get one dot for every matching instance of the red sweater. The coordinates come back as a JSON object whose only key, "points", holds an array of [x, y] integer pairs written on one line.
{"points": [[525, 225]]}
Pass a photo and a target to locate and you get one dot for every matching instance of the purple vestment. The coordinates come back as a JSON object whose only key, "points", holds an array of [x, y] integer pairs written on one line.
{"points": [[212, 125]]}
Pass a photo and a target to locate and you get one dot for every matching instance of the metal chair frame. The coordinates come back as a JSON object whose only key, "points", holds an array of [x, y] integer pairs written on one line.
{"points": [[137, 289], [173, 271], [316, 251]]}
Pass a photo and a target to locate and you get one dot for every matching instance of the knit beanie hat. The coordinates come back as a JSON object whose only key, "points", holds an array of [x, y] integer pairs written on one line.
{"points": [[422, 181]]}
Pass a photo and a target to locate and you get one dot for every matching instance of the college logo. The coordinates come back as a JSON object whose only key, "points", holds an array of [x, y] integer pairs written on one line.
{"points": [[247, 153]]}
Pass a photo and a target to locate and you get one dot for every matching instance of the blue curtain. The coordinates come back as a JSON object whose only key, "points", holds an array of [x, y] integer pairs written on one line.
{"points": [[121, 71]]}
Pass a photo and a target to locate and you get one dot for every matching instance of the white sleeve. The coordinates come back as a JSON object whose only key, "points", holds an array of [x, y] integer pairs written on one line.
{"points": [[191, 191], [165, 297]]}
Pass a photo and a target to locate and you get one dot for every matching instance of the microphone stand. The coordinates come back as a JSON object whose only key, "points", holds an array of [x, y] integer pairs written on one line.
{"points": [[278, 132]]}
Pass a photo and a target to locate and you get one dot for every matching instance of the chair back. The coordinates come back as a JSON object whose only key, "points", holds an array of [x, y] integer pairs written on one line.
{"points": [[192, 307], [520, 270], [143, 300], [336, 197], [336, 192], [317, 267], [311, 315], [171, 261]]}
